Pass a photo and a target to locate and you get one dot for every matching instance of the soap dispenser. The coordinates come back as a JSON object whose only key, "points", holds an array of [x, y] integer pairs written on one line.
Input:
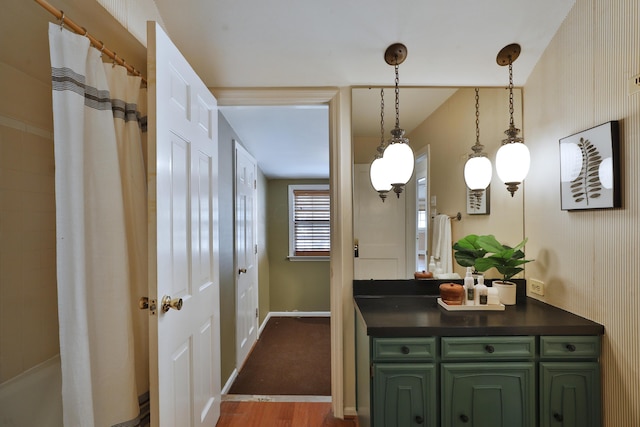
{"points": [[482, 292], [432, 265], [469, 289]]}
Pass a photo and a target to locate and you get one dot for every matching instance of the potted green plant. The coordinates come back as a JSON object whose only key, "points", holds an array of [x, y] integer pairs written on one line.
{"points": [[467, 251], [507, 260]]}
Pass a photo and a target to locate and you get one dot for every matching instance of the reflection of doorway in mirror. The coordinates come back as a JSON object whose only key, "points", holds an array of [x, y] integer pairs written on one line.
{"points": [[421, 226], [478, 204], [421, 211]]}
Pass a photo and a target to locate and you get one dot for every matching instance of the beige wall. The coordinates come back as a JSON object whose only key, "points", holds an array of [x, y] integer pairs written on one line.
{"points": [[28, 294], [589, 259], [293, 285]]}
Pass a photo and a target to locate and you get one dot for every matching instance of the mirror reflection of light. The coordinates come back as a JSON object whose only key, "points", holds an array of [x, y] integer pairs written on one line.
{"points": [[605, 173], [571, 158], [379, 175]]}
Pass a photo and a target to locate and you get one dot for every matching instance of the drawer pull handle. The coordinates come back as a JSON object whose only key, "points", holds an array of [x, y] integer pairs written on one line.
{"points": [[571, 347], [464, 418], [557, 417], [489, 348], [405, 349], [419, 419]]}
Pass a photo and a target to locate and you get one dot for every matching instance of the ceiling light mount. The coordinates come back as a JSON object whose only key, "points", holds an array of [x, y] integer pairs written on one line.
{"points": [[395, 54], [508, 54]]}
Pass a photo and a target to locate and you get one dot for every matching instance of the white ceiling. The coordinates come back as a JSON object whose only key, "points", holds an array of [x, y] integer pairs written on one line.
{"points": [[305, 43], [333, 43]]}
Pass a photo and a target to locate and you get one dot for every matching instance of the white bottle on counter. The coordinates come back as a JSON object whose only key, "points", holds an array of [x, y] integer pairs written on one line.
{"points": [[469, 288], [439, 268], [432, 265], [481, 292]]}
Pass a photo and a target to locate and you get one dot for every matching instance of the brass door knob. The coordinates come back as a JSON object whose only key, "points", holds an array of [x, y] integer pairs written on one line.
{"points": [[168, 303]]}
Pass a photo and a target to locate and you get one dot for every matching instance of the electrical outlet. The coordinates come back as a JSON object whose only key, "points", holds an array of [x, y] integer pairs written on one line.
{"points": [[634, 84], [536, 287]]}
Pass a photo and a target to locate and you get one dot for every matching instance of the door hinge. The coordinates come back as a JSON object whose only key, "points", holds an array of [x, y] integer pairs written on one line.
{"points": [[255, 184], [256, 313], [255, 249]]}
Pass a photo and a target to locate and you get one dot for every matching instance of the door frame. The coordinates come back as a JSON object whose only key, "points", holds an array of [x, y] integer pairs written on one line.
{"points": [[341, 260]]}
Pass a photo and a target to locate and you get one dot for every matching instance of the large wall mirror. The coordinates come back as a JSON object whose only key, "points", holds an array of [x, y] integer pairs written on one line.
{"points": [[393, 238]]}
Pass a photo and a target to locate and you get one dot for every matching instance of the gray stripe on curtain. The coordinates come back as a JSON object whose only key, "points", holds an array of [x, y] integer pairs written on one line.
{"points": [[66, 79]]}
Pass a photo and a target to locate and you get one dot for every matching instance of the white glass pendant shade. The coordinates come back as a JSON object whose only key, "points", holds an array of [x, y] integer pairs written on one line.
{"points": [[477, 173], [379, 175], [512, 162], [399, 162]]}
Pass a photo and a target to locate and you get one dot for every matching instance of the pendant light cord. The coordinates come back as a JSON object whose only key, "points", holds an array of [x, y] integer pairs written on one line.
{"points": [[397, 67], [477, 116], [511, 92]]}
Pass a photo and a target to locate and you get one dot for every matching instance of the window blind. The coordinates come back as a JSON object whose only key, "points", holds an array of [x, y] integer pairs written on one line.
{"points": [[311, 222]]}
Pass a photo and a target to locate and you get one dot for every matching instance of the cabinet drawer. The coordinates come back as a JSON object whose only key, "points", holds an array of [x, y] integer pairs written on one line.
{"points": [[487, 348], [404, 348], [570, 347]]}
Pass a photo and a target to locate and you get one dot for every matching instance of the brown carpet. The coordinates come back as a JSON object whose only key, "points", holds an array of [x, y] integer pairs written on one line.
{"points": [[292, 357]]}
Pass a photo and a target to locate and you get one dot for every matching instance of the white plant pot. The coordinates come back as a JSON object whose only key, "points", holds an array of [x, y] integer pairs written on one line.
{"points": [[506, 292]]}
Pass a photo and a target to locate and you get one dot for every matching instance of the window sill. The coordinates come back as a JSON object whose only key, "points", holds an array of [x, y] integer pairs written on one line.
{"points": [[308, 258]]}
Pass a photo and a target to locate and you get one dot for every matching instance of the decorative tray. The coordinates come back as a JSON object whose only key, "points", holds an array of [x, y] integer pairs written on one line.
{"points": [[488, 307]]}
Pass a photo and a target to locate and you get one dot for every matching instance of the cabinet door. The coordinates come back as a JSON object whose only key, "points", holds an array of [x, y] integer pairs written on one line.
{"points": [[488, 394], [404, 395], [570, 394]]}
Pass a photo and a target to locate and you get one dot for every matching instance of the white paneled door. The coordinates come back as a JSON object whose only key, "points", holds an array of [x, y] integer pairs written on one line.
{"points": [[379, 229], [183, 263], [246, 253]]}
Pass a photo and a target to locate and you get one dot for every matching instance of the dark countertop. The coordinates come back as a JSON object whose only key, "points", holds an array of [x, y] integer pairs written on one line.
{"points": [[410, 309]]}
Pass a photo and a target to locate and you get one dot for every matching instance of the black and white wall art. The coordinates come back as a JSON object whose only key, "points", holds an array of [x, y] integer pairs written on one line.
{"points": [[590, 168]]}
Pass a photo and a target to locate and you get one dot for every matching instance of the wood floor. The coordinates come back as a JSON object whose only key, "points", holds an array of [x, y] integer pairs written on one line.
{"points": [[280, 414]]}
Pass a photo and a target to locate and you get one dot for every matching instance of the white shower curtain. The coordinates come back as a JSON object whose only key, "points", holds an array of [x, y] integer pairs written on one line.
{"points": [[98, 178]]}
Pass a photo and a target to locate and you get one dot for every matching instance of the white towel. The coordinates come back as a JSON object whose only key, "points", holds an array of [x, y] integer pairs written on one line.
{"points": [[442, 242]]}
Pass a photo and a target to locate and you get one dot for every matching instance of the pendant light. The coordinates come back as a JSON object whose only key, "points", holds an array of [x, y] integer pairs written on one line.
{"points": [[477, 169], [512, 158], [378, 172], [398, 155]]}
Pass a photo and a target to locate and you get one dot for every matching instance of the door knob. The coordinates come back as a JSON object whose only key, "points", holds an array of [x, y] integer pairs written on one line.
{"points": [[242, 270], [168, 303]]}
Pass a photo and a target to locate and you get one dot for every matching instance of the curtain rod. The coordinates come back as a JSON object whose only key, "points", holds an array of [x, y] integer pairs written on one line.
{"points": [[59, 14]]}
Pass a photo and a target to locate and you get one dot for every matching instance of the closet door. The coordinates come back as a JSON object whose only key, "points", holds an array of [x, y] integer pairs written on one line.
{"points": [[184, 332]]}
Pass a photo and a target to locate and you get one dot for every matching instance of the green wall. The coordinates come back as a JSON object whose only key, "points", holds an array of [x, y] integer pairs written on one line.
{"points": [[294, 285], [226, 136]]}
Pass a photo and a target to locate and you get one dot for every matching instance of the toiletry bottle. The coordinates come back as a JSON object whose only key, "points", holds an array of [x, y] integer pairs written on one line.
{"points": [[432, 265], [469, 289], [439, 268], [482, 291]]}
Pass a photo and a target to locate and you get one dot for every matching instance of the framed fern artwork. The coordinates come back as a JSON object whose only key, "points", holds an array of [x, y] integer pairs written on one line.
{"points": [[590, 169], [478, 204]]}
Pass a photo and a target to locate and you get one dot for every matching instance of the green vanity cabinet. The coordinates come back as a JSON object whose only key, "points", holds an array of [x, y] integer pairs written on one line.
{"points": [[405, 394], [488, 381], [570, 381], [396, 380], [531, 365]]}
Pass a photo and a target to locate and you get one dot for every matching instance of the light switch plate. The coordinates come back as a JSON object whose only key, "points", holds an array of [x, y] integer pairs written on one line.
{"points": [[536, 287]]}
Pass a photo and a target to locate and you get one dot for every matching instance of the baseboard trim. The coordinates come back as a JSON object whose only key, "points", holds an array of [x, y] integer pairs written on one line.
{"points": [[350, 412], [292, 314], [229, 382]]}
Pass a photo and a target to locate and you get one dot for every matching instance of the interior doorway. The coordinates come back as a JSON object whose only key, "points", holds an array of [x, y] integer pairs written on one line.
{"points": [[321, 97]]}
